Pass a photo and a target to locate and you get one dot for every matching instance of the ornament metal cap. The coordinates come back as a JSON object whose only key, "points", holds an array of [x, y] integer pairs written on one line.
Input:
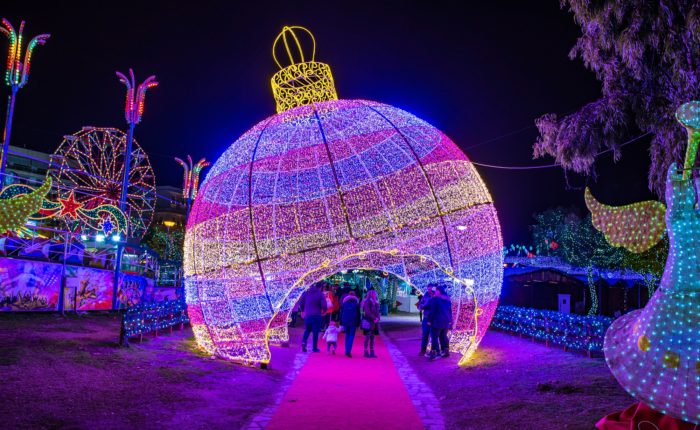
{"points": [[303, 81]]}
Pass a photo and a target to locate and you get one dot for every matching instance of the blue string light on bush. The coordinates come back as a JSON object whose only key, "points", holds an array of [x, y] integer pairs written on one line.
{"points": [[585, 333], [147, 317]]}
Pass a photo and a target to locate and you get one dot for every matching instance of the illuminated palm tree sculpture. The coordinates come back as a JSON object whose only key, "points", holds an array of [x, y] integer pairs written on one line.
{"points": [[16, 76], [135, 101], [190, 181]]}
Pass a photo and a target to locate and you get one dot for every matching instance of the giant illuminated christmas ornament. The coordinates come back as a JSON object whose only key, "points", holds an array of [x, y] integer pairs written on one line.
{"points": [[655, 352], [328, 185]]}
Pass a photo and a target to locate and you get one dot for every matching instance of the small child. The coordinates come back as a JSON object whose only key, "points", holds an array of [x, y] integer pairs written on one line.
{"points": [[331, 336]]}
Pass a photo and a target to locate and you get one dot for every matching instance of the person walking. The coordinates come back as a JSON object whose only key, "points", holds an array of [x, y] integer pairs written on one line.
{"points": [[330, 306], [350, 319], [423, 306], [312, 305], [370, 320], [331, 336], [440, 320]]}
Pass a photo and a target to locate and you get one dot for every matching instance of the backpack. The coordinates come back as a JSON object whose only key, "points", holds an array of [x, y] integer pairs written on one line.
{"points": [[329, 302]]}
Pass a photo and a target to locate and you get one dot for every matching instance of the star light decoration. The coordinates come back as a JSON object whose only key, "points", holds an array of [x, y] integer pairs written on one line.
{"points": [[328, 185], [20, 203], [70, 206], [91, 164], [655, 352]]}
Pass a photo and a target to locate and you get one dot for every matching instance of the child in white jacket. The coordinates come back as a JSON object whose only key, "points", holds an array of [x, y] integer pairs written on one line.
{"points": [[331, 336]]}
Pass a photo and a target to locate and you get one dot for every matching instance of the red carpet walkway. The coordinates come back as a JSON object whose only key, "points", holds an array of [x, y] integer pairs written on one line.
{"points": [[336, 392]]}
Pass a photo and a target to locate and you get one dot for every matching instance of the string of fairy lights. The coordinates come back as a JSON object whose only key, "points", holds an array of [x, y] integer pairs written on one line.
{"points": [[577, 332], [147, 317]]}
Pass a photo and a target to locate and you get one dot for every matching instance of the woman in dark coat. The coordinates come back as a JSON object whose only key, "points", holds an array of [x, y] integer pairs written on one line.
{"points": [[370, 311], [350, 319]]}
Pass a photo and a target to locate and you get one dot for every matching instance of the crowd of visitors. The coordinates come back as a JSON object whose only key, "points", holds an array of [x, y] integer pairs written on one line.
{"points": [[335, 309], [436, 319]]}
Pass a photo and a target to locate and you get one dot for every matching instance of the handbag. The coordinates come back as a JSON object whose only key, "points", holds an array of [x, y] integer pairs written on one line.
{"points": [[366, 324]]}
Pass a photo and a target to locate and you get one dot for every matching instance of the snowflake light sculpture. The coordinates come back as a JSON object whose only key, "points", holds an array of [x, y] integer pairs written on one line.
{"points": [[329, 185], [90, 165]]}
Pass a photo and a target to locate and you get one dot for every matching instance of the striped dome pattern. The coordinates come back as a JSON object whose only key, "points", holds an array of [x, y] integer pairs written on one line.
{"points": [[337, 185]]}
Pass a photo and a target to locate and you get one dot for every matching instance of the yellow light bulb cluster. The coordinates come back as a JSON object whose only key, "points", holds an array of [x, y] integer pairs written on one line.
{"points": [[15, 211], [636, 227], [304, 82]]}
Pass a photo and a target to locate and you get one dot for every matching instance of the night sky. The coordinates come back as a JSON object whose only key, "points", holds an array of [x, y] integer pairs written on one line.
{"points": [[481, 77]]}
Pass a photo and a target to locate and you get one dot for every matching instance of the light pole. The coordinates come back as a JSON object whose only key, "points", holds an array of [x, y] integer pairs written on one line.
{"points": [[135, 100], [16, 76], [190, 181]]}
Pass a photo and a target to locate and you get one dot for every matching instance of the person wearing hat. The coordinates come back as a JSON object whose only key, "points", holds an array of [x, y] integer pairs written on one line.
{"points": [[440, 320]]}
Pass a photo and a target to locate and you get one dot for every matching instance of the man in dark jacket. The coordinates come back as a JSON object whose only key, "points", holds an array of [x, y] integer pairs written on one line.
{"points": [[312, 305], [440, 320], [423, 306], [350, 319]]}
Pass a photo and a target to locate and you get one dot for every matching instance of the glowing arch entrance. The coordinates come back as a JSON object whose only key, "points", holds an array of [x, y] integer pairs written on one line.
{"points": [[465, 309]]}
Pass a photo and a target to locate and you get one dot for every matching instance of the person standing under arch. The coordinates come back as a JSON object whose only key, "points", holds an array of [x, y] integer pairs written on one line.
{"points": [[350, 319], [424, 307], [370, 319], [312, 305], [440, 320]]}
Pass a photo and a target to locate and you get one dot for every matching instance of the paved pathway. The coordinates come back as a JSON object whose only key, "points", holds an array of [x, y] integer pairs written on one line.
{"points": [[334, 392], [262, 419], [422, 396]]}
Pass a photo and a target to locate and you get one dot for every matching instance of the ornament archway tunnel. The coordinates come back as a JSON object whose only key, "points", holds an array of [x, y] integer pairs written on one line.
{"points": [[250, 340], [418, 271], [318, 186]]}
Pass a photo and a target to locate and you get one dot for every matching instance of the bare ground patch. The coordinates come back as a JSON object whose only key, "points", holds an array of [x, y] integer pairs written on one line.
{"points": [[69, 373]]}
